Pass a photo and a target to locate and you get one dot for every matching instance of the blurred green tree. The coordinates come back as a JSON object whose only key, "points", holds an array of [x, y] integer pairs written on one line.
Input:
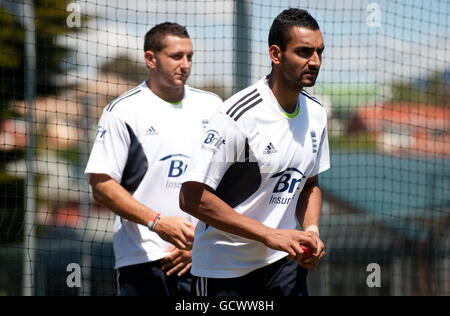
{"points": [[434, 90], [124, 67], [51, 22]]}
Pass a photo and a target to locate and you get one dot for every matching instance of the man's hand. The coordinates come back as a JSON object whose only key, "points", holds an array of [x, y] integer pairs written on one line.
{"points": [[289, 240], [108, 192], [177, 261], [312, 262], [177, 231]]}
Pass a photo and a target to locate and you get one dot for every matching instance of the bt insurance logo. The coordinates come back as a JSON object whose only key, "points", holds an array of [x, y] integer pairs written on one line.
{"points": [[213, 141], [100, 134], [287, 183], [177, 167]]}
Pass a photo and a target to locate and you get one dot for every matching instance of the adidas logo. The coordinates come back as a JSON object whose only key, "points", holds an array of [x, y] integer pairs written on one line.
{"points": [[151, 131], [270, 149]]}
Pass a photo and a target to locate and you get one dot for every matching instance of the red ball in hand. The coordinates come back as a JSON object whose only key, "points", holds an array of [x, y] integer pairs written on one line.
{"points": [[307, 252]]}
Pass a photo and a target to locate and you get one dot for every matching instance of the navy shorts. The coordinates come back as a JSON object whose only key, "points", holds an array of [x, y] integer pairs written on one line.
{"points": [[282, 278], [147, 279]]}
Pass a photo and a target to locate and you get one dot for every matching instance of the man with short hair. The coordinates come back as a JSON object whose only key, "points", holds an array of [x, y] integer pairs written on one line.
{"points": [[257, 170], [142, 148]]}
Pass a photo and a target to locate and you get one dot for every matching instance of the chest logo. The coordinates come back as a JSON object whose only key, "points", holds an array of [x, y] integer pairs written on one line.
{"points": [[177, 164], [151, 131], [270, 149], [287, 183]]}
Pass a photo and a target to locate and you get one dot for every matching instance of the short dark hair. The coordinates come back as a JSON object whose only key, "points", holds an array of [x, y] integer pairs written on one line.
{"points": [[281, 26], [154, 39]]}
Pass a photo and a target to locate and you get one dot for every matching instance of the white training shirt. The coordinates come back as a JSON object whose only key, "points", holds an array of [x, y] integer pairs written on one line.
{"points": [[257, 158], [145, 144]]}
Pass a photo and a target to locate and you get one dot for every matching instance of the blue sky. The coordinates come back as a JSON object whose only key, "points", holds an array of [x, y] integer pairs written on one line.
{"points": [[412, 39]]}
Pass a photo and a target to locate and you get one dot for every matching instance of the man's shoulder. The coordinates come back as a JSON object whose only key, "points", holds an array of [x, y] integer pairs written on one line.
{"points": [[243, 101], [312, 100], [198, 93], [121, 103], [250, 90], [315, 109], [310, 97]]}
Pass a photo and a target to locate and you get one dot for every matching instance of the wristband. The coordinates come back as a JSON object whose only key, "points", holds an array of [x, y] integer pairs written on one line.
{"points": [[153, 221], [156, 222], [312, 228]]}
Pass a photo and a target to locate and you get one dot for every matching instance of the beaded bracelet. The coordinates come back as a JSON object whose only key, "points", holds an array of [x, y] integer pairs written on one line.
{"points": [[153, 221]]}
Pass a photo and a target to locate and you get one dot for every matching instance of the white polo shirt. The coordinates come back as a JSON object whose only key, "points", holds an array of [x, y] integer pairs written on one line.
{"points": [[257, 158], [145, 144]]}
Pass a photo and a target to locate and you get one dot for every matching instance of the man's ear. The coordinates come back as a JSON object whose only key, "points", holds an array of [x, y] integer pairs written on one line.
{"points": [[275, 54], [150, 59]]}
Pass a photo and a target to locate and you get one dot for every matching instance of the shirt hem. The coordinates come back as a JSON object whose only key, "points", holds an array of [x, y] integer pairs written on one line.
{"points": [[323, 167], [234, 273], [137, 260], [109, 173], [197, 177]]}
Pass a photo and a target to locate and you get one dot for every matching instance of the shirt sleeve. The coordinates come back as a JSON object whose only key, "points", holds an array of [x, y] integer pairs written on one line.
{"points": [[222, 145], [323, 155], [110, 150]]}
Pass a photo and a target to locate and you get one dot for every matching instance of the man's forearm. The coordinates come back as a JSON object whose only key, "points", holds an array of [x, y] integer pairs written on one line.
{"points": [[196, 200], [309, 205], [113, 196], [175, 230]]}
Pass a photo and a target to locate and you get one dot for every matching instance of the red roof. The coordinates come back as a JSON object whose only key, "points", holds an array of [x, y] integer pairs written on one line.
{"points": [[407, 114], [427, 126], [12, 134]]}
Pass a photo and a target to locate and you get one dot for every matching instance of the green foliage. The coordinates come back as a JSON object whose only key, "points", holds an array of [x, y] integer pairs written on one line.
{"points": [[125, 68], [11, 58], [50, 17], [71, 155], [346, 97], [434, 90], [358, 142], [10, 37], [11, 209]]}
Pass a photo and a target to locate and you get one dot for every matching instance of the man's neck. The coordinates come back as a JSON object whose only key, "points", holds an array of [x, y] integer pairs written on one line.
{"points": [[168, 94], [285, 93]]}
